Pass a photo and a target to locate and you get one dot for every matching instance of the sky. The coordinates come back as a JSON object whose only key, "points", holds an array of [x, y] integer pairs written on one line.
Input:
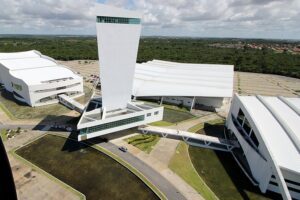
{"points": [[274, 19]]}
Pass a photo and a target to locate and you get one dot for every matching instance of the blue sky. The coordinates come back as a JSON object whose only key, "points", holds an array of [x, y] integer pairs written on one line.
{"points": [[194, 18]]}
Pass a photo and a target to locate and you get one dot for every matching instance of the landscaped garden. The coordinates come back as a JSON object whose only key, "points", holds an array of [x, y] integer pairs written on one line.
{"points": [[143, 142], [85, 169]]}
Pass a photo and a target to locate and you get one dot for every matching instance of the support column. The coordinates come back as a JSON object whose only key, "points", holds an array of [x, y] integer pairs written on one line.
{"points": [[192, 105], [161, 100]]}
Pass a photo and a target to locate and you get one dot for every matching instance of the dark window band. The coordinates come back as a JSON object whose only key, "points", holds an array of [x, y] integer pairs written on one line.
{"points": [[118, 20]]}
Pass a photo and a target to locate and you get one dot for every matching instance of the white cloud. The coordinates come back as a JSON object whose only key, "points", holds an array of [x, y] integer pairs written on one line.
{"points": [[229, 18]]}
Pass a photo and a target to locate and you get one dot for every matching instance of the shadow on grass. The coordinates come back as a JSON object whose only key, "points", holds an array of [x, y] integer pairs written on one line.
{"points": [[54, 120], [222, 173], [215, 130], [239, 179], [70, 146]]}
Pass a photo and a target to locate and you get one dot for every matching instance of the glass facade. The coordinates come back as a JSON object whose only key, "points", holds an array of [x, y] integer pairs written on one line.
{"points": [[16, 86], [243, 125], [113, 124], [118, 20]]}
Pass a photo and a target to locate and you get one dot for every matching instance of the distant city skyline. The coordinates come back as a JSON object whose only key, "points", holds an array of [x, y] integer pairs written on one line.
{"points": [[268, 19]]}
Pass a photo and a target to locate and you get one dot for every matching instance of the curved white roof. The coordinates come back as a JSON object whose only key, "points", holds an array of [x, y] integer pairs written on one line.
{"points": [[34, 68], [162, 78], [27, 63], [20, 55], [38, 75], [278, 139]]}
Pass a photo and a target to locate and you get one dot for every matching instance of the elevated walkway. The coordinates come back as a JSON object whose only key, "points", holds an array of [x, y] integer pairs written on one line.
{"points": [[70, 103], [191, 138]]}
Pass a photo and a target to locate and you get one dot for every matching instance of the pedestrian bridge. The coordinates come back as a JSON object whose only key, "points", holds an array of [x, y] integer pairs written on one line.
{"points": [[193, 139], [70, 103]]}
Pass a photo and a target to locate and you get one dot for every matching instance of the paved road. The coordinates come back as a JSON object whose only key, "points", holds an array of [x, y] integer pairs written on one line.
{"points": [[154, 177]]}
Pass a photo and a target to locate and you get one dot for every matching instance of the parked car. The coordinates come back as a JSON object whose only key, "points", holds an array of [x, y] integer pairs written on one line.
{"points": [[122, 148]]}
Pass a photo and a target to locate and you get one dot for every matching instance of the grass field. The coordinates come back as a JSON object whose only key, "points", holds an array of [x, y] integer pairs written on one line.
{"points": [[220, 171], [175, 116], [85, 169], [222, 174], [143, 142], [199, 127], [182, 166]]}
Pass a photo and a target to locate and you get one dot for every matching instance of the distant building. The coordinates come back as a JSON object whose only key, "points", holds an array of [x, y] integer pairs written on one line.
{"points": [[36, 79], [118, 34], [202, 86], [268, 131]]}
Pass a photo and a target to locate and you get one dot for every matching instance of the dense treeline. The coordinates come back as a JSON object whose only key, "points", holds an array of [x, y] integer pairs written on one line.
{"points": [[172, 49]]}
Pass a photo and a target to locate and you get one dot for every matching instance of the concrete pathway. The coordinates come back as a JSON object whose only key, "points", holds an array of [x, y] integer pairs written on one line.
{"points": [[164, 150]]}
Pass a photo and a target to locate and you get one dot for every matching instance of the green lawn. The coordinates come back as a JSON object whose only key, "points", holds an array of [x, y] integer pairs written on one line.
{"points": [[220, 171], [199, 127], [17, 110], [182, 166], [161, 123], [85, 169], [143, 142], [173, 116]]}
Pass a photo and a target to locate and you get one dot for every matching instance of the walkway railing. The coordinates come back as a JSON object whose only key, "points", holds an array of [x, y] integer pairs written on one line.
{"points": [[70, 103], [193, 139]]}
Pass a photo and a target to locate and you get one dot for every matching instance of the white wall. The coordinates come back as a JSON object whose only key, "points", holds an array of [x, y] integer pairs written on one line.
{"points": [[148, 119], [260, 168], [117, 48], [34, 96]]}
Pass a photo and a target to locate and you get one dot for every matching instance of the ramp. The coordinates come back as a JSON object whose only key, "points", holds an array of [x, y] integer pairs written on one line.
{"points": [[192, 138], [70, 103]]}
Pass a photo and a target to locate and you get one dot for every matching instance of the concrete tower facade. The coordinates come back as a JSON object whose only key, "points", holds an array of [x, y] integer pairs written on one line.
{"points": [[118, 34]]}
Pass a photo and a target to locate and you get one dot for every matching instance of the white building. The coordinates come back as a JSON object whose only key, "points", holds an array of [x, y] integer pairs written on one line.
{"points": [[190, 85], [268, 131], [36, 79], [118, 34]]}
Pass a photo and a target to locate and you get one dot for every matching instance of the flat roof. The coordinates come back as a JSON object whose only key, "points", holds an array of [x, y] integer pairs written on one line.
{"points": [[277, 138], [38, 75], [110, 11], [163, 78]]}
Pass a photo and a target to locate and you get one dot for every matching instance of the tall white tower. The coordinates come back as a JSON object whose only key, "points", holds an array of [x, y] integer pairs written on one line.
{"points": [[118, 34]]}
